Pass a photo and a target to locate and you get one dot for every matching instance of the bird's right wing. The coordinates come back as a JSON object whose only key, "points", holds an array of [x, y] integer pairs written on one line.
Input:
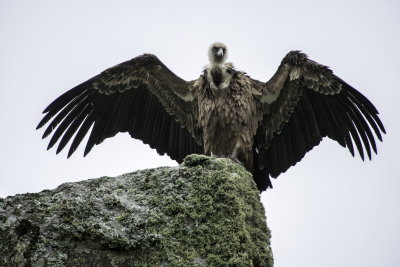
{"points": [[140, 96]]}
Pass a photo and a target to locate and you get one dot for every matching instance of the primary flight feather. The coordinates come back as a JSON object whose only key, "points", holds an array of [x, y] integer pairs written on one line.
{"points": [[268, 127]]}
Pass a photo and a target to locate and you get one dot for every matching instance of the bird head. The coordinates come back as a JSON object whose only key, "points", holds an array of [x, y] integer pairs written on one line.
{"points": [[217, 53]]}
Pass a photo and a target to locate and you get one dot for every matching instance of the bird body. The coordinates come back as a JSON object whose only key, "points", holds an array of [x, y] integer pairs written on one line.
{"points": [[228, 116], [268, 127]]}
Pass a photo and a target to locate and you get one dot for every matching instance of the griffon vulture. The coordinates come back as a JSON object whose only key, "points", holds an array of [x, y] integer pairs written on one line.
{"points": [[268, 127]]}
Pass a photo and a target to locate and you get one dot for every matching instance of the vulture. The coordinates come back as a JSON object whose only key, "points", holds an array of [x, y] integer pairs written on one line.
{"points": [[266, 126]]}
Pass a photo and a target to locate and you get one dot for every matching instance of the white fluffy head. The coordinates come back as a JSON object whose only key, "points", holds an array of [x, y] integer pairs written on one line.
{"points": [[217, 53]]}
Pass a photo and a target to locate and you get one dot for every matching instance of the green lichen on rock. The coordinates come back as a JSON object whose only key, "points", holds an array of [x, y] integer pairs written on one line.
{"points": [[206, 212]]}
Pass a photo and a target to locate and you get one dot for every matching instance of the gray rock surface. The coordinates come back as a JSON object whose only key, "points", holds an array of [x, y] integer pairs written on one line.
{"points": [[206, 212]]}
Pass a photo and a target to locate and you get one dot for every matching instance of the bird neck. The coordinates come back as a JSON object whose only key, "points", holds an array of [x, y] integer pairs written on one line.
{"points": [[218, 75]]}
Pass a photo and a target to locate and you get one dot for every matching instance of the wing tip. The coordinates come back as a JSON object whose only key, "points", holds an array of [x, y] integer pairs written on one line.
{"points": [[49, 146]]}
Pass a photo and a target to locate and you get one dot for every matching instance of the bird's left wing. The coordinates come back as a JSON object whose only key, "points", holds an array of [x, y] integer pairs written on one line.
{"points": [[304, 102], [140, 96]]}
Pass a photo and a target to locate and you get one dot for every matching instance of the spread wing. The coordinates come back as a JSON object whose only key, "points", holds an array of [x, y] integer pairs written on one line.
{"points": [[140, 96], [304, 102]]}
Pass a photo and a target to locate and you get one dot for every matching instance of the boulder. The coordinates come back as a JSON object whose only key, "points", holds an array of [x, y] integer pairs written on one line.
{"points": [[205, 212]]}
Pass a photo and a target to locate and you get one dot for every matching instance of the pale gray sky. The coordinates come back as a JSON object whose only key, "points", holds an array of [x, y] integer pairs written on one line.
{"points": [[328, 210]]}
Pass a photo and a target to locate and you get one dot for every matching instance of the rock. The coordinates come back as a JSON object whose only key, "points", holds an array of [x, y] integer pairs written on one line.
{"points": [[206, 212]]}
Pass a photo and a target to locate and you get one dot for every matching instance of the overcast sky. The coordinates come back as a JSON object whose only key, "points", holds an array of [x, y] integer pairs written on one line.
{"points": [[328, 210]]}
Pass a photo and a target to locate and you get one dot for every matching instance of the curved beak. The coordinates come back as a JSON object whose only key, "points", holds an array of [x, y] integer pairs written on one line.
{"points": [[220, 52]]}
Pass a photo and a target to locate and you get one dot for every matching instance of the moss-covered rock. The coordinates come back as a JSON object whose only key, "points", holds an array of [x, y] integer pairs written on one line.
{"points": [[206, 212]]}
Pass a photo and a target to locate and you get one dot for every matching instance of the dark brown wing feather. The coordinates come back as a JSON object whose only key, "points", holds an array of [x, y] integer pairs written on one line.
{"points": [[141, 96], [310, 103]]}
